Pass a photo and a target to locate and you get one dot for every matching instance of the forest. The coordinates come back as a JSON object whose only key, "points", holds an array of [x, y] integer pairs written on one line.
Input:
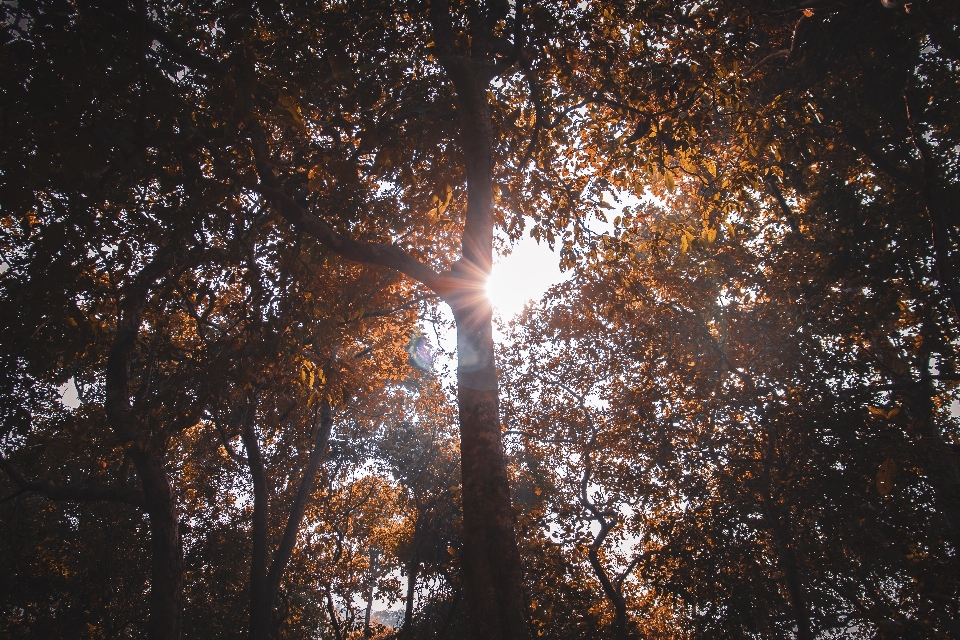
{"points": [[252, 384]]}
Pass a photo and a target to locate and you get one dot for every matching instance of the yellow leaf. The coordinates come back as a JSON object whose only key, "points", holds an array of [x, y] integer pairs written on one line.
{"points": [[668, 178], [877, 412], [292, 108], [892, 412], [886, 475]]}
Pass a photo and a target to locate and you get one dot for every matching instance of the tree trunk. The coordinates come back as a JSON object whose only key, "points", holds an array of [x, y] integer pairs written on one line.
{"points": [[166, 569], [166, 577], [374, 567], [491, 558], [413, 571], [260, 609], [264, 585], [611, 592], [787, 560]]}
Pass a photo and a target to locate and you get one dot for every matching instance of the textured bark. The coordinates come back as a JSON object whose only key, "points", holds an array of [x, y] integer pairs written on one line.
{"points": [[491, 558]]}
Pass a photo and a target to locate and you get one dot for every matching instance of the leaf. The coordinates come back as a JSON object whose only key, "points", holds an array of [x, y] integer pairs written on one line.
{"points": [[292, 108], [668, 178], [880, 413], [885, 476]]}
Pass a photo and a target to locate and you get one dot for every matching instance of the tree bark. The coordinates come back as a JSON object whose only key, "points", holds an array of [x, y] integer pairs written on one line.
{"points": [[374, 567], [613, 595], [491, 557], [166, 579], [786, 557], [787, 560], [413, 571], [265, 585], [260, 609]]}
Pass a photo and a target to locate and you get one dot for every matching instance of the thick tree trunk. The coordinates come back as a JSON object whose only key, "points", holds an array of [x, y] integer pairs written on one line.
{"points": [[491, 558]]}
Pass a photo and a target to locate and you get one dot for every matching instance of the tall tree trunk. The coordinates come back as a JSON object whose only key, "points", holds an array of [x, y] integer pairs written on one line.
{"points": [[260, 610], [374, 567], [265, 585], [166, 568], [787, 560], [491, 558], [786, 557], [166, 577], [413, 571]]}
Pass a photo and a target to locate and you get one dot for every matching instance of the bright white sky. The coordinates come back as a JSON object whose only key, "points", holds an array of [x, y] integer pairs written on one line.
{"points": [[523, 275]]}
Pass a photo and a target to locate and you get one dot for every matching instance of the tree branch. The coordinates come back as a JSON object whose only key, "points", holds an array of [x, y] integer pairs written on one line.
{"points": [[71, 492]]}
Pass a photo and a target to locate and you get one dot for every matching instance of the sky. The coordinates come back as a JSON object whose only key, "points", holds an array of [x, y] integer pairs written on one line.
{"points": [[523, 275]]}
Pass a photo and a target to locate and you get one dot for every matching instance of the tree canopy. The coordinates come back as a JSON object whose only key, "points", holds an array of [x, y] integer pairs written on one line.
{"points": [[231, 228]]}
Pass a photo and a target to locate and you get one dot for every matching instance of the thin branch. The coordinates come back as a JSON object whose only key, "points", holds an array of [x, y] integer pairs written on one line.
{"points": [[71, 492], [787, 54]]}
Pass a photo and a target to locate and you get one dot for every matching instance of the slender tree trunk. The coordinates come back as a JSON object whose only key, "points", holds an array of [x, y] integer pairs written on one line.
{"points": [[374, 567], [786, 557], [941, 466], [413, 571], [787, 560], [334, 619], [265, 585], [611, 592], [260, 609], [166, 576]]}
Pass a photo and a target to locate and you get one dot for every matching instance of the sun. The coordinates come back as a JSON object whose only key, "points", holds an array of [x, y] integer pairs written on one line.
{"points": [[524, 275]]}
